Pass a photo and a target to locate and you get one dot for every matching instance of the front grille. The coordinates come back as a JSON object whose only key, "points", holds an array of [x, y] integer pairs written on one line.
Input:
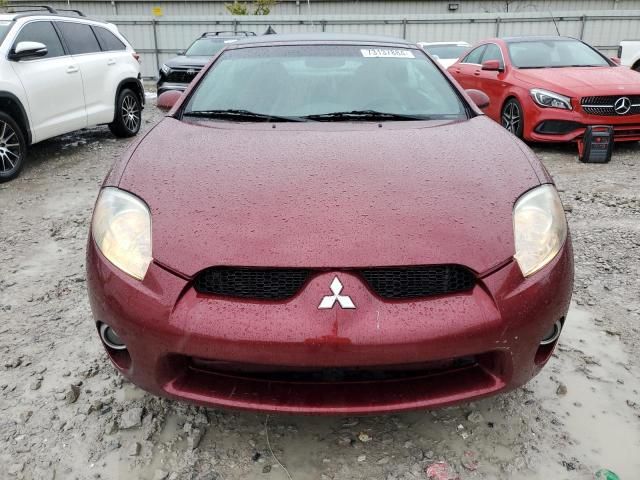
{"points": [[283, 283], [421, 281], [259, 284], [604, 105], [179, 75], [288, 374]]}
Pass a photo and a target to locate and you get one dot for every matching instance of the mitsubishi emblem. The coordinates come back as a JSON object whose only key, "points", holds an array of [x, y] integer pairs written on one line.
{"points": [[330, 300]]}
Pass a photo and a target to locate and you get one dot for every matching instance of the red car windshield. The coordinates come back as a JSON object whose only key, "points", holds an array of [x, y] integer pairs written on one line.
{"points": [[325, 81], [554, 54]]}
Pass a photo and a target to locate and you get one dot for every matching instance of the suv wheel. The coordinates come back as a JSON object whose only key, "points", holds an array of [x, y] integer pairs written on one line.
{"points": [[128, 114], [13, 148]]}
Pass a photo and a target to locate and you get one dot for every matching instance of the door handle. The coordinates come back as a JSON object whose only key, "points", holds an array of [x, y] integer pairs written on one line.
{"points": [[477, 73], [111, 61], [72, 69]]}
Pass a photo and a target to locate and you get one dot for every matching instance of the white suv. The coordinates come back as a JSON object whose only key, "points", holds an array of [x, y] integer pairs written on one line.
{"points": [[60, 73]]}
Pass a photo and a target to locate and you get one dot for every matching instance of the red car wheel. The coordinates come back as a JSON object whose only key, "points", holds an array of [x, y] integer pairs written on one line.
{"points": [[512, 117]]}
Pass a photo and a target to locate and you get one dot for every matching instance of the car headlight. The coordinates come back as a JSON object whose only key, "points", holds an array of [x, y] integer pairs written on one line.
{"points": [[121, 228], [540, 228], [545, 98], [164, 69]]}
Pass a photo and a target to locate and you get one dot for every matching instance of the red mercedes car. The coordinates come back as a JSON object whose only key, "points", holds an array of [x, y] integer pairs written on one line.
{"points": [[317, 226], [549, 89]]}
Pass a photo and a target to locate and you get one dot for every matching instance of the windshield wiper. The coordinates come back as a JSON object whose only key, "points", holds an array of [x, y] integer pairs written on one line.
{"points": [[363, 115], [237, 114]]}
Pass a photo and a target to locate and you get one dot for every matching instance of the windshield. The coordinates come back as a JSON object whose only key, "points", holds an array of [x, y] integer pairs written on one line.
{"points": [[554, 54], [446, 51], [4, 28], [207, 47], [302, 81]]}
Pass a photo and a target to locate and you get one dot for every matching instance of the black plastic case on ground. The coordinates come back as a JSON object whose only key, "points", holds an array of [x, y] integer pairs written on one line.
{"points": [[598, 144]]}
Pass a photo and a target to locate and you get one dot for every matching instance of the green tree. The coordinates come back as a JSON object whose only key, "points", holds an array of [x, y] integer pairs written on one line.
{"points": [[263, 7], [235, 8], [259, 7]]}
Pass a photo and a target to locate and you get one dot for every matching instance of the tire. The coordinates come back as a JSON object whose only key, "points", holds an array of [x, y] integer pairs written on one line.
{"points": [[128, 117], [512, 117], [636, 67], [13, 148]]}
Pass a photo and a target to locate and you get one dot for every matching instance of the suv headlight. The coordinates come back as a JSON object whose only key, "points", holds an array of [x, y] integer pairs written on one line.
{"points": [[540, 228], [121, 228], [545, 98], [164, 69]]}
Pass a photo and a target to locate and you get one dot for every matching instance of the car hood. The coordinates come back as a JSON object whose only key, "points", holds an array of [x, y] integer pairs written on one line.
{"points": [[182, 61], [329, 194], [583, 81]]}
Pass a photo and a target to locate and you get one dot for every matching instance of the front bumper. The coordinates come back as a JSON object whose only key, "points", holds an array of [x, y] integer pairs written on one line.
{"points": [[570, 125], [389, 355], [163, 86]]}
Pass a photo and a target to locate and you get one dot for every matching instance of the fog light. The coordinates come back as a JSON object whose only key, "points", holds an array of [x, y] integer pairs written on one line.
{"points": [[111, 338], [553, 334]]}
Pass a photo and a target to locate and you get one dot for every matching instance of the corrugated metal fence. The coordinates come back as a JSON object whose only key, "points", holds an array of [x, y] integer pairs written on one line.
{"points": [[172, 8], [158, 39]]}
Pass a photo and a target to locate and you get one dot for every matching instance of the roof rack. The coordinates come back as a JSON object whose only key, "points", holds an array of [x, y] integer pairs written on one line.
{"points": [[77, 12], [246, 33], [31, 8], [38, 8]]}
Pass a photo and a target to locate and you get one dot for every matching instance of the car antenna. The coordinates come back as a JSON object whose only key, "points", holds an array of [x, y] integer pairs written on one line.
{"points": [[554, 22]]}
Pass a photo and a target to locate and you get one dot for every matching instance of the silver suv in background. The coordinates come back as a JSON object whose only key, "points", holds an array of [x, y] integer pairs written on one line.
{"points": [[60, 73]]}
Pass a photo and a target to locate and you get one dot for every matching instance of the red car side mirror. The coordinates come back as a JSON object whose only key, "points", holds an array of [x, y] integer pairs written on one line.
{"points": [[616, 60], [492, 66], [480, 98], [167, 100]]}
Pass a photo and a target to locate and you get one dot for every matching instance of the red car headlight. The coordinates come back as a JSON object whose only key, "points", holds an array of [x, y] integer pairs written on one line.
{"points": [[121, 228], [548, 99], [540, 228]]}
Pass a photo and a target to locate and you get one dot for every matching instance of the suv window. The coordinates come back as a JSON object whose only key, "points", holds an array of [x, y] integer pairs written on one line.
{"points": [[207, 47], [42, 32], [493, 53], [79, 37], [108, 41], [475, 55]]}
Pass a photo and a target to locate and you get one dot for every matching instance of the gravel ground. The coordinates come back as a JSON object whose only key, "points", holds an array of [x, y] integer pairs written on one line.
{"points": [[66, 414]]}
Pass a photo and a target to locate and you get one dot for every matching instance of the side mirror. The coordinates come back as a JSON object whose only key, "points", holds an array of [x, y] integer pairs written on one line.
{"points": [[167, 100], [28, 50], [616, 60], [492, 66], [180, 52], [480, 98]]}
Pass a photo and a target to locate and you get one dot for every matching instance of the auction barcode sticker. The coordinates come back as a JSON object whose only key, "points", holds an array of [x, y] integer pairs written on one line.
{"points": [[386, 53]]}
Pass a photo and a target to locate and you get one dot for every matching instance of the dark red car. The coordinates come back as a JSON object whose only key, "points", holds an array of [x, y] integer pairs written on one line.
{"points": [[318, 227], [549, 89]]}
